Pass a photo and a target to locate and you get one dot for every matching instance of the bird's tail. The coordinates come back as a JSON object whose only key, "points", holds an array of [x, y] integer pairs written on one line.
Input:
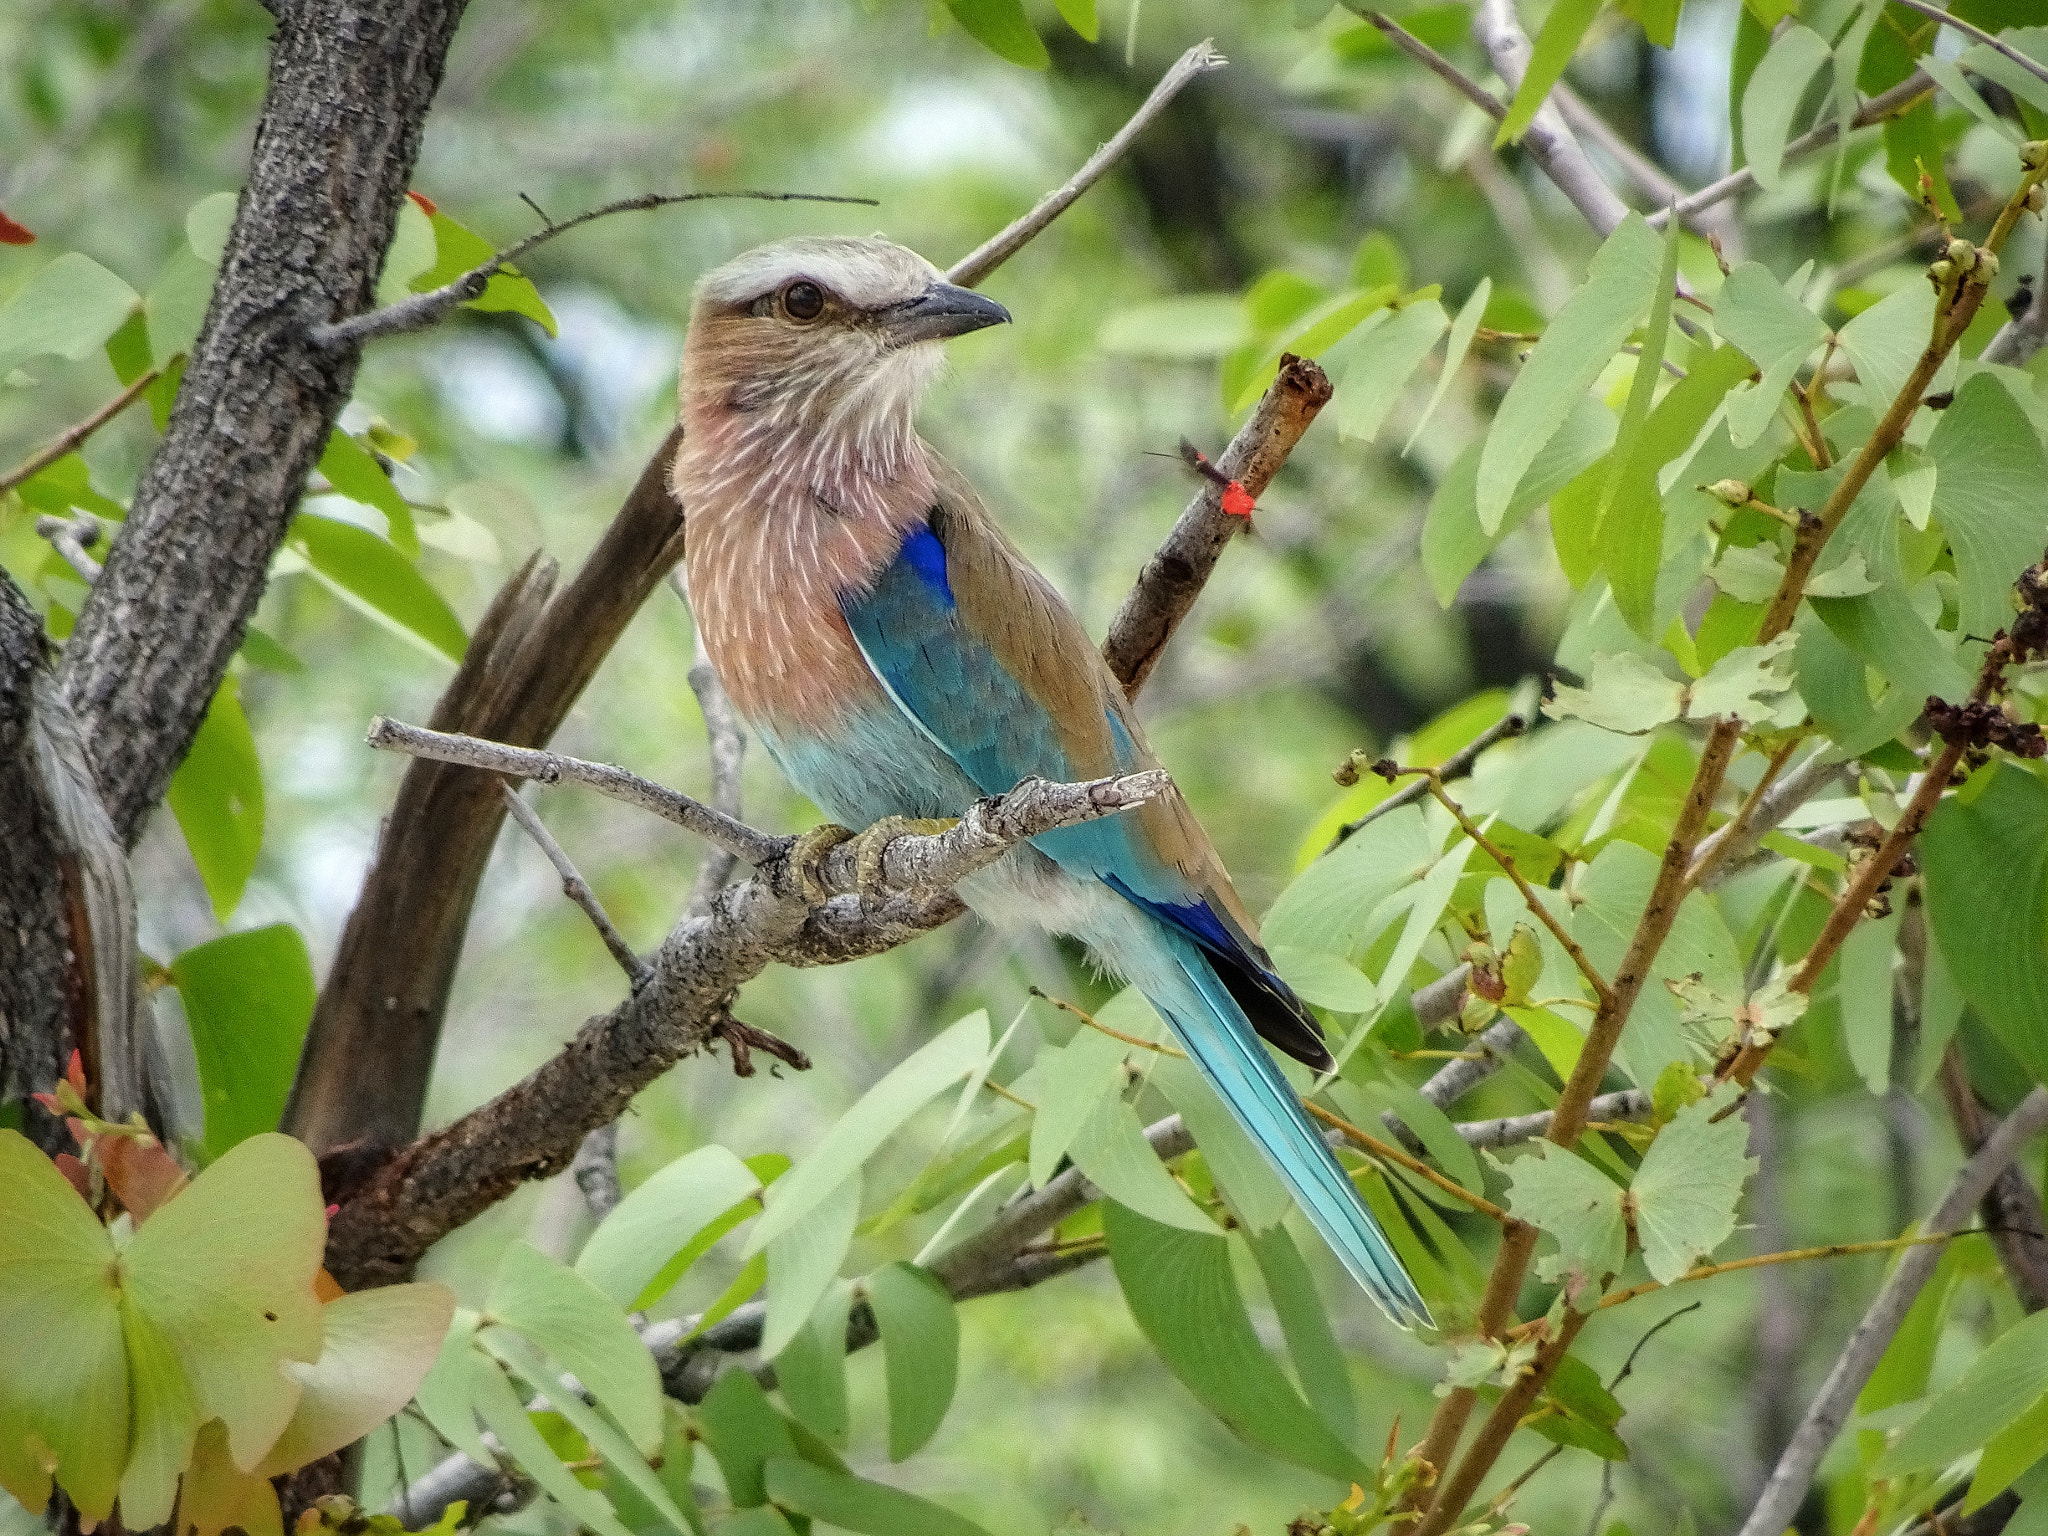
{"points": [[1219, 1039]]}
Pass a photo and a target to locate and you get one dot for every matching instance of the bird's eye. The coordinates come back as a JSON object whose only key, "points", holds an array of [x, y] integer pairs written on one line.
{"points": [[803, 301]]}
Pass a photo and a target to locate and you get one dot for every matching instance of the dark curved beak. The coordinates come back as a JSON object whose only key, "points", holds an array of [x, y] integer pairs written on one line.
{"points": [[942, 310]]}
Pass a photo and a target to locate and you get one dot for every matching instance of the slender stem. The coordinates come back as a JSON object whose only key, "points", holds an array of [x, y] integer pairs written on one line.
{"points": [[1452, 768], [575, 887], [72, 436], [1440, 66], [1976, 33], [1789, 1256], [1415, 1165], [976, 265], [1094, 1023], [1738, 824]]}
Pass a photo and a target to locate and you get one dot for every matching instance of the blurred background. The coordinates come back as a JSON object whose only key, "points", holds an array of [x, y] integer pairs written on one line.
{"points": [[1320, 635]]}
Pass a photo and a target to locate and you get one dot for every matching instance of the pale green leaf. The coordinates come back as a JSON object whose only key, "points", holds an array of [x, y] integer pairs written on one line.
{"points": [[1319, 1361], [1463, 329], [1334, 905], [811, 1370], [1182, 1293], [1575, 347], [1849, 579], [1886, 340], [248, 998], [377, 1346], [1991, 496], [1864, 996], [1689, 1184], [446, 1397], [1631, 527], [1624, 693], [585, 1332], [1110, 1148], [1382, 364], [1325, 980], [849, 1503], [878, 1115], [1747, 683], [805, 1259], [1772, 97], [207, 225], [2008, 1453], [1577, 1205], [505, 1414], [1995, 1389], [1070, 1081], [1748, 573], [1002, 27], [659, 1219], [1563, 27], [68, 309], [176, 305], [920, 1349], [164, 1422], [217, 796]]}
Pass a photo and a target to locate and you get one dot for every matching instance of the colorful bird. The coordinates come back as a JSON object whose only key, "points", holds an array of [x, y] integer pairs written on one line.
{"points": [[899, 659]]}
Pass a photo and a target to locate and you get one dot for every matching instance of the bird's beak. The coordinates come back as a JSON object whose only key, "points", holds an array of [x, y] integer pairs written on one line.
{"points": [[942, 310]]}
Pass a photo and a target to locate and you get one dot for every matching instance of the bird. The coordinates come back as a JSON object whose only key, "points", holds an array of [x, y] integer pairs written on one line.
{"points": [[899, 659]]}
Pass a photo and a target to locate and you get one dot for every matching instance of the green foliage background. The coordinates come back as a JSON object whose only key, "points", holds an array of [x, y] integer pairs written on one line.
{"points": [[1317, 159]]}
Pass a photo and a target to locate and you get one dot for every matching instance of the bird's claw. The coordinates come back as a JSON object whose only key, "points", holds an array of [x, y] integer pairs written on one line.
{"points": [[872, 846], [806, 859]]}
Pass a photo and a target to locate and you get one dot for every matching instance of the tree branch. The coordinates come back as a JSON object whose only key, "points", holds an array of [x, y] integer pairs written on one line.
{"points": [[1548, 141], [574, 886], [1976, 33], [1793, 1475], [971, 269], [71, 437], [1174, 577], [421, 310]]}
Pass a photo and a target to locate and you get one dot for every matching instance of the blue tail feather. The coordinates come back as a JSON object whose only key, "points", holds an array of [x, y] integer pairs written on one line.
{"points": [[1219, 1039]]}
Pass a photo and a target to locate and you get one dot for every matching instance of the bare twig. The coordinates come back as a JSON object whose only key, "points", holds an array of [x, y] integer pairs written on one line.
{"points": [[421, 310], [2012, 1208], [1793, 1475], [728, 744], [744, 842], [1548, 141], [1451, 769], [1626, 1104], [971, 269], [1976, 33], [1438, 65], [71, 537], [65, 441], [1365, 1141], [575, 887], [1173, 578]]}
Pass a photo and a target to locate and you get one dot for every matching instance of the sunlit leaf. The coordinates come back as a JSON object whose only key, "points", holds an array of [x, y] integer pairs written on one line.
{"points": [[68, 309], [1688, 1185], [658, 1219], [354, 471], [1572, 1201], [585, 1332], [372, 571], [248, 998]]}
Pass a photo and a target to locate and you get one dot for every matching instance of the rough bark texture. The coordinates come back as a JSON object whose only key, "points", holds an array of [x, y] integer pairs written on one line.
{"points": [[370, 1050], [40, 999], [350, 84]]}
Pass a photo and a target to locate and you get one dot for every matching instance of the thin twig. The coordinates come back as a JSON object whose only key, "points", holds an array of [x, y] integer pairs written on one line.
{"points": [[1730, 837], [1548, 140], [742, 841], [1976, 33], [1442, 67], [971, 269], [71, 537], [1366, 1141], [576, 888], [1789, 1480], [1096, 1024], [420, 310], [728, 747], [65, 441], [1451, 769]]}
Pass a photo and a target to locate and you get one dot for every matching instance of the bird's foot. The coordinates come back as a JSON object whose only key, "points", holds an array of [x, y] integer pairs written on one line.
{"points": [[806, 858], [872, 846]]}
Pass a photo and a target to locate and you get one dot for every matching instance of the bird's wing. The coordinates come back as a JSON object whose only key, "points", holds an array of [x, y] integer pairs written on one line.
{"points": [[980, 651]]}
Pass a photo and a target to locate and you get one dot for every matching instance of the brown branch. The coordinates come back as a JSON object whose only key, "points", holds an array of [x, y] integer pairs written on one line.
{"points": [[1366, 1141], [2011, 1208], [1451, 769], [1173, 578], [65, 441]]}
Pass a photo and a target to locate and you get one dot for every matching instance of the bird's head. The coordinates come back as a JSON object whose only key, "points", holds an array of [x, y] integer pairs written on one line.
{"points": [[827, 332]]}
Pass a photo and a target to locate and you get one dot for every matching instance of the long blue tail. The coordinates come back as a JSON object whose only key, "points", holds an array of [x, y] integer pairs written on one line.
{"points": [[1219, 1039]]}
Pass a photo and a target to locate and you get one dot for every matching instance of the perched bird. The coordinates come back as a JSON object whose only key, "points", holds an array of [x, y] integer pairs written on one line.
{"points": [[899, 659]]}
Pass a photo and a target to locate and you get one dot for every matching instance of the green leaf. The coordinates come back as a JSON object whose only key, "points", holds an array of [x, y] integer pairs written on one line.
{"points": [[372, 571], [1463, 329], [1246, 1179], [1576, 1204], [410, 253], [1325, 980], [1996, 67], [1185, 326], [376, 1347], [505, 1415], [353, 471], [1110, 1148], [743, 1430], [248, 998], [1613, 892], [878, 1115], [1991, 495], [2008, 1453], [585, 1332], [850, 1503], [1305, 1323], [1071, 1080], [1577, 1411], [60, 1287], [1903, 1371], [811, 1370], [68, 309], [632, 1247], [217, 796], [208, 223], [920, 1349], [1688, 1185], [805, 1259], [446, 1397], [1995, 1389], [1002, 27], [1080, 15], [1986, 864], [1773, 96], [1335, 905], [458, 250], [175, 306], [1864, 995], [1886, 340], [1754, 311], [621, 1458], [1575, 347], [1624, 693], [1555, 44], [1631, 529], [1182, 1294], [1382, 364]]}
